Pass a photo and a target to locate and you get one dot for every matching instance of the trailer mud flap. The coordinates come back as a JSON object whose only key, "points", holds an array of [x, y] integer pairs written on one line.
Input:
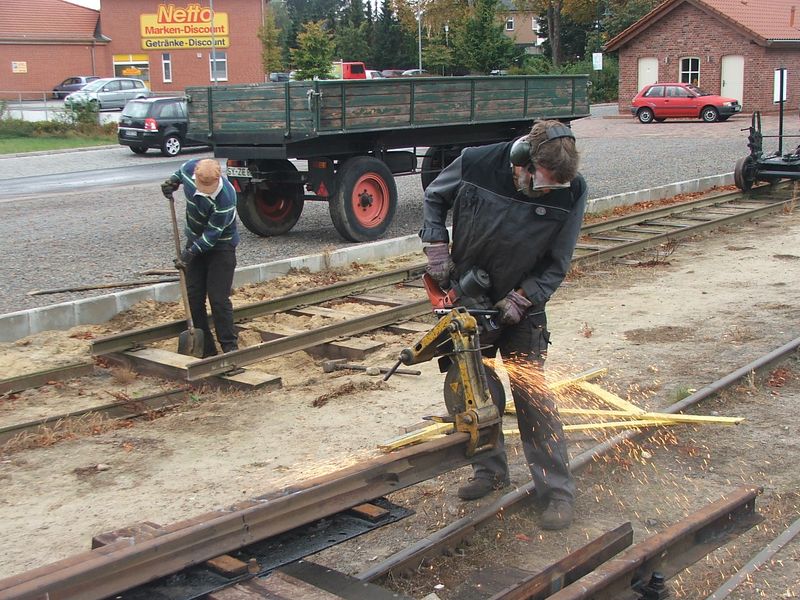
{"points": [[321, 177]]}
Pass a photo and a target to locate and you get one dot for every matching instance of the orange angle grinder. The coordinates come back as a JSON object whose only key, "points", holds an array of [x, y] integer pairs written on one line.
{"points": [[470, 291]]}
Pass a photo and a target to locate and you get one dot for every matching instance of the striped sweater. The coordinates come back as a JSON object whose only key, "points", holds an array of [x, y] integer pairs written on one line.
{"points": [[210, 220]]}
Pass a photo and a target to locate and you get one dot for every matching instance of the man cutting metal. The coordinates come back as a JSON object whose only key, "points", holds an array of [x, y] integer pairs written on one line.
{"points": [[517, 209]]}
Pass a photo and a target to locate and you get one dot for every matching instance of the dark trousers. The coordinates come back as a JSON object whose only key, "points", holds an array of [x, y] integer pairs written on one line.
{"points": [[524, 349], [210, 274]]}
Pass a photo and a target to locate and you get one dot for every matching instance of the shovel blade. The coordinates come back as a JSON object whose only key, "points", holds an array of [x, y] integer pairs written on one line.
{"points": [[190, 342]]}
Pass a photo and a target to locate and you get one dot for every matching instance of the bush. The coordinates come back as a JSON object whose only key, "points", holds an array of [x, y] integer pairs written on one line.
{"points": [[605, 83]]}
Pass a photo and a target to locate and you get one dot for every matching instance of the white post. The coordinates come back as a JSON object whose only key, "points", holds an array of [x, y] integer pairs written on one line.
{"points": [[419, 35], [213, 45]]}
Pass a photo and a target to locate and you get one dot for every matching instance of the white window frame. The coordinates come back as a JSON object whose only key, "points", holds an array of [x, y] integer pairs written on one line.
{"points": [[166, 67], [221, 60], [686, 75], [510, 21]]}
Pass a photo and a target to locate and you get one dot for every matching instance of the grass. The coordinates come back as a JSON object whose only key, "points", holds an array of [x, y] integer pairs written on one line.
{"points": [[12, 145]]}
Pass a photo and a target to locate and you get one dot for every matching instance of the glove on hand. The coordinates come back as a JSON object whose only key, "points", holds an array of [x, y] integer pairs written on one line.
{"points": [[183, 262], [170, 186], [512, 308], [440, 265]]}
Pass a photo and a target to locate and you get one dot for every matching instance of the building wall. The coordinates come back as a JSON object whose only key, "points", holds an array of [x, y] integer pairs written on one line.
{"points": [[120, 21], [523, 32], [43, 71], [689, 32]]}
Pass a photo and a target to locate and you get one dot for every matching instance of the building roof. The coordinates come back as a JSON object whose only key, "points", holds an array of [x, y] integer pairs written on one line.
{"points": [[766, 22], [26, 21]]}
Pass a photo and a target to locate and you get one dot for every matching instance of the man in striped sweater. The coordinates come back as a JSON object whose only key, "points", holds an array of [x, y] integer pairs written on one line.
{"points": [[209, 257]]}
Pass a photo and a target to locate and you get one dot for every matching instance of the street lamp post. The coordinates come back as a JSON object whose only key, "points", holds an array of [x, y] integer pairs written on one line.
{"points": [[446, 36], [419, 36], [213, 45]]}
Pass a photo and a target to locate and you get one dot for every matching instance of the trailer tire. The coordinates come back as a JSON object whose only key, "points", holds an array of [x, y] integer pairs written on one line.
{"points": [[274, 210], [437, 158], [365, 201], [744, 175]]}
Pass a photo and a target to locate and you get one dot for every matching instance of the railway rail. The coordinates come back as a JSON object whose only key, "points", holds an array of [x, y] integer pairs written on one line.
{"points": [[129, 562]]}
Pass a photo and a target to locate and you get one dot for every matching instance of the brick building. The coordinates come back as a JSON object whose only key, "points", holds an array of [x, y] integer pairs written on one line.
{"points": [[728, 47], [167, 43]]}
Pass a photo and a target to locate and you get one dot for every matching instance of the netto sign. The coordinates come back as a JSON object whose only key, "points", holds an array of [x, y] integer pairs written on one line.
{"points": [[191, 27]]}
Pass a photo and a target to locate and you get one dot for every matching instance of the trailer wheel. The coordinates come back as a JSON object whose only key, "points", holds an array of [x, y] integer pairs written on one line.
{"points": [[365, 200], [437, 158], [273, 209], [744, 175]]}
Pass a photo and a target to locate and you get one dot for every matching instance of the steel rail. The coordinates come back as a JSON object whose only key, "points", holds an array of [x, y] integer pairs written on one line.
{"points": [[132, 339], [755, 563], [124, 409], [449, 536], [656, 238], [40, 378], [123, 565], [669, 552], [223, 363]]}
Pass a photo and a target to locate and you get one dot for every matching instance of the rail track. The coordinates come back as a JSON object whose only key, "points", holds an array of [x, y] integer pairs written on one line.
{"points": [[769, 202]]}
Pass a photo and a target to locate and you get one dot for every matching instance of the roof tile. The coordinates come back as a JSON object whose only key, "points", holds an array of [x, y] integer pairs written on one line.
{"points": [[46, 20]]}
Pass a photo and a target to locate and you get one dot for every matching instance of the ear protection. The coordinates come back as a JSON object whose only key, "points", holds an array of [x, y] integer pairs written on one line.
{"points": [[521, 148]]}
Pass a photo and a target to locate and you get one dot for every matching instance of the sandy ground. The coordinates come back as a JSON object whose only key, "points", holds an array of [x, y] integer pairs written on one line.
{"points": [[711, 306]]}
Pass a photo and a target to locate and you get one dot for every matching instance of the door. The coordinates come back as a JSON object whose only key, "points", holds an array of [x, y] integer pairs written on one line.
{"points": [[648, 71], [680, 102], [732, 75], [111, 94]]}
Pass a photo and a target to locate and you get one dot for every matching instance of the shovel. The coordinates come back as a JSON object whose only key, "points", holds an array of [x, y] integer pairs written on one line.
{"points": [[190, 342]]}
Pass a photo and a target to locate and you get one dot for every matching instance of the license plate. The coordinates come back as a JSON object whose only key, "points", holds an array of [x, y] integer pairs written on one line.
{"points": [[129, 133], [238, 172]]}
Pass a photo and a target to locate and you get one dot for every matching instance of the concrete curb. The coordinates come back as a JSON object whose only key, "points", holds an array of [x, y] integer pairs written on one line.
{"points": [[99, 309]]}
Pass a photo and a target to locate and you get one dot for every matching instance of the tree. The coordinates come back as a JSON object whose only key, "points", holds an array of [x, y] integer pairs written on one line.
{"points": [[481, 44], [314, 53], [271, 46], [352, 42], [393, 47]]}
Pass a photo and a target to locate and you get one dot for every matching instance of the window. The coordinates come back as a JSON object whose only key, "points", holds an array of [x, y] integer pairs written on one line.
{"points": [[657, 91], [510, 24], [127, 85], [171, 110], [219, 71], [112, 86], [690, 70], [166, 67]]}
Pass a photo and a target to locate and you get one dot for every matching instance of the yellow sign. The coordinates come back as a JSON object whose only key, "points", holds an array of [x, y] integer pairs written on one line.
{"points": [[192, 21], [131, 71], [19, 66], [183, 43]]}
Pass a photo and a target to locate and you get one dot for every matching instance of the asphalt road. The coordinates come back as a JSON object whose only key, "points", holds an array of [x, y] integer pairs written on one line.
{"points": [[98, 216]]}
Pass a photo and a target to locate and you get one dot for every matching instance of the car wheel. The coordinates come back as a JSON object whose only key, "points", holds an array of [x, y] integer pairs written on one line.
{"points": [[709, 114], [171, 146], [138, 149], [645, 115]]}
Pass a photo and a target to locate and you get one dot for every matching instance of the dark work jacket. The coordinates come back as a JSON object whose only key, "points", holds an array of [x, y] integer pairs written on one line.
{"points": [[521, 242]]}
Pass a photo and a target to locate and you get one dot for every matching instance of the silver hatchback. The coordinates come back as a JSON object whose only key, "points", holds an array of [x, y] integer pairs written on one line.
{"points": [[109, 92]]}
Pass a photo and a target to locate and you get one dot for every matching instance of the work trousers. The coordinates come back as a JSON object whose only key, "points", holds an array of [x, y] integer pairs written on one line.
{"points": [[210, 274], [524, 348]]}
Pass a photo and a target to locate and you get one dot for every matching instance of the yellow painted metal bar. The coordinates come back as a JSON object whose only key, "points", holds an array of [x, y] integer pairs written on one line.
{"points": [[564, 383], [609, 398], [415, 437], [636, 424], [678, 418]]}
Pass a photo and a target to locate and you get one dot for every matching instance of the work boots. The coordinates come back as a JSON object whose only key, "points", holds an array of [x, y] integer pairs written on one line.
{"points": [[557, 515], [478, 487]]}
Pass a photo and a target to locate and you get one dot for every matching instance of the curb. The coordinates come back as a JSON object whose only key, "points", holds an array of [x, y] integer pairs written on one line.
{"points": [[99, 309]]}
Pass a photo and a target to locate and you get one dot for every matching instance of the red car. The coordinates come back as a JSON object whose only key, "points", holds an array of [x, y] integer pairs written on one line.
{"points": [[661, 101]]}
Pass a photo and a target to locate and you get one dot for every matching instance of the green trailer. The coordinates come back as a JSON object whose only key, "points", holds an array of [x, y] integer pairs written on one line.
{"points": [[357, 135]]}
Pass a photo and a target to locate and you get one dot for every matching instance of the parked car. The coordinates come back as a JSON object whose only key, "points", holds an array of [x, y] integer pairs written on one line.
{"points": [[660, 101], [72, 84], [392, 72], [109, 92], [414, 73], [155, 123], [374, 74], [278, 77]]}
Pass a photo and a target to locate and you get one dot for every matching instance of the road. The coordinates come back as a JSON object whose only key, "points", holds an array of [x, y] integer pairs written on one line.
{"points": [[97, 216]]}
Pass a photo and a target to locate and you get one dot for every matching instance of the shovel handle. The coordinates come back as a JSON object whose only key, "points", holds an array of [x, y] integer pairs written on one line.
{"points": [[181, 275]]}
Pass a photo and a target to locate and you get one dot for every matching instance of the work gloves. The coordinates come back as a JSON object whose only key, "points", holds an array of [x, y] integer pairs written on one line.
{"points": [[512, 308], [170, 186], [183, 262], [440, 265]]}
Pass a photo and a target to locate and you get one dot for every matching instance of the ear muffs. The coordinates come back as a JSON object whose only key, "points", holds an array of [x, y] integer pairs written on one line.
{"points": [[521, 148]]}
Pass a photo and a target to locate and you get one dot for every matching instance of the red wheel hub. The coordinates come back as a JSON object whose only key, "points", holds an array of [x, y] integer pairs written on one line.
{"points": [[370, 200]]}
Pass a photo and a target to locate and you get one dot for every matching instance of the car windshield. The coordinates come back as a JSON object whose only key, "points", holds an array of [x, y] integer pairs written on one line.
{"points": [[136, 109], [94, 85], [698, 91]]}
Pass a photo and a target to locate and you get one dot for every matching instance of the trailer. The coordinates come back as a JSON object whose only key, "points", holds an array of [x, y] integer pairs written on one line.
{"points": [[356, 136]]}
